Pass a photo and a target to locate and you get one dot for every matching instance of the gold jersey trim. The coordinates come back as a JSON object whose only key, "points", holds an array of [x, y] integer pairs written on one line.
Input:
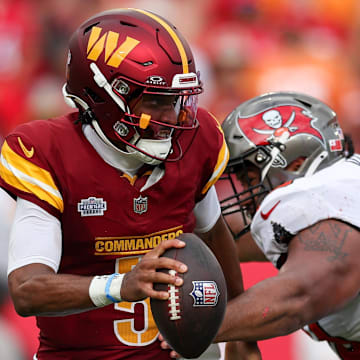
{"points": [[221, 163], [28, 177]]}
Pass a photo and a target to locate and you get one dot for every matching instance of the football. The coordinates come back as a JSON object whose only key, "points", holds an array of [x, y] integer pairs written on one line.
{"points": [[191, 317]]}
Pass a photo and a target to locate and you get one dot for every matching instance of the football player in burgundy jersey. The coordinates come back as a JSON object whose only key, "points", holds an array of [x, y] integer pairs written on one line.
{"points": [[295, 186], [111, 183]]}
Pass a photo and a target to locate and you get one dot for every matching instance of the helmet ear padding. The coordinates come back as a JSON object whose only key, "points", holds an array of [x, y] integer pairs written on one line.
{"points": [[73, 101], [67, 98], [86, 116]]}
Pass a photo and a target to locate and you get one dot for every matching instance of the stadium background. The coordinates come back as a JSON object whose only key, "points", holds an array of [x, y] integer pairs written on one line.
{"points": [[243, 48]]}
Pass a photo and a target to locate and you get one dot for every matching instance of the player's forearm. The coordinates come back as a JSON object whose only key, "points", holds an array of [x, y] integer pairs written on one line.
{"points": [[271, 308], [52, 295], [247, 250], [37, 290]]}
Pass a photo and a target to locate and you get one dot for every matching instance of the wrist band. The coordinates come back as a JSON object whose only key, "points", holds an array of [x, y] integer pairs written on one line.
{"points": [[105, 289]]}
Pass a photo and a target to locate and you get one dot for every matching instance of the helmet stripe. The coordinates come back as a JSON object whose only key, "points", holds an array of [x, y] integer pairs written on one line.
{"points": [[172, 33]]}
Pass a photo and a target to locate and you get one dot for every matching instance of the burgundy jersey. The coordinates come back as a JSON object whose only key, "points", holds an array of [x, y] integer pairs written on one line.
{"points": [[107, 224]]}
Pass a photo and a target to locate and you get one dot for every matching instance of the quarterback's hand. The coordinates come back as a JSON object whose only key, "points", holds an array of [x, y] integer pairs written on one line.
{"points": [[138, 283], [240, 350], [164, 345]]}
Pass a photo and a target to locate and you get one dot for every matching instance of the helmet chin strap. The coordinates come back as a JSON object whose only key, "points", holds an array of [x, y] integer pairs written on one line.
{"points": [[279, 146], [157, 148], [316, 163]]}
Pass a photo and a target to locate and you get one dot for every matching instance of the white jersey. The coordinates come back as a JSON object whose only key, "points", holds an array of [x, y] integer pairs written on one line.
{"points": [[332, 193]]}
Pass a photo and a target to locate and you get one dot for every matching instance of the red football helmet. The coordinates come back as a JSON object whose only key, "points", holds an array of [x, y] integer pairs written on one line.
{"points": [[114, 59]]}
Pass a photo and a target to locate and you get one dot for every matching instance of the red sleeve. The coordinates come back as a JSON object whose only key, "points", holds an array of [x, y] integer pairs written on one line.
{"points": [[212, 143], [24, 171]]}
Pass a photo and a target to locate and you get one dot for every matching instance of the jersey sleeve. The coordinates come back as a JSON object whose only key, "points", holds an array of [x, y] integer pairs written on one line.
{"points": [[290, 209], [220, 149], [207, 211], [25, 173]]}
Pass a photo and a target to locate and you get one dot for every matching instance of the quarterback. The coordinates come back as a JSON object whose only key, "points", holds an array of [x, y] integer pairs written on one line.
{"points": [[300, 181], [103, 191]]}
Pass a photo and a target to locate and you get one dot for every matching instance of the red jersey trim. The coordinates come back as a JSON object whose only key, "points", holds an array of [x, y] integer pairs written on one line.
{"points": [[347, 350]]}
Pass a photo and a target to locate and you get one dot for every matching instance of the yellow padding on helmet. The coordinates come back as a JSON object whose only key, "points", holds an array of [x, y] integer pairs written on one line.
{"points": [[144, 121]]}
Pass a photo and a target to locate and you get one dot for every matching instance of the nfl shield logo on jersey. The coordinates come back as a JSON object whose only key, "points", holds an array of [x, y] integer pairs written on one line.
{"points": [[205, 293], [140, 204]]}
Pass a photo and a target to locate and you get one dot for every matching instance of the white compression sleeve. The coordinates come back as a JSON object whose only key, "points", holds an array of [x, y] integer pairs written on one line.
{"points": [[207, 211], [35, 237]]}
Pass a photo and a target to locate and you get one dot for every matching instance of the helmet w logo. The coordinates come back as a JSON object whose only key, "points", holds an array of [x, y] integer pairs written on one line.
{"points": [[114, 54]]}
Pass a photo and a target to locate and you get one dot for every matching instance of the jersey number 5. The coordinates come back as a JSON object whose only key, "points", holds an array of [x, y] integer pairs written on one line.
{"points": [[129, 333]]}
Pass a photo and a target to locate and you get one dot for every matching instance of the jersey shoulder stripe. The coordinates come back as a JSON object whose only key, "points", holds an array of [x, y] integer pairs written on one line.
{"points": [[27, 177], [220, 166], [222, 160]]}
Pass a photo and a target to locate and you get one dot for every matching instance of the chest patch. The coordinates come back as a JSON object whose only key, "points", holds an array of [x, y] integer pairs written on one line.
{"points": [[92, 206], [140, 205]]}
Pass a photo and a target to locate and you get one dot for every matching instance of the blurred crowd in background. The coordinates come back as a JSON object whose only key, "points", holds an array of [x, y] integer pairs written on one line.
{"points": [[243, 48]]}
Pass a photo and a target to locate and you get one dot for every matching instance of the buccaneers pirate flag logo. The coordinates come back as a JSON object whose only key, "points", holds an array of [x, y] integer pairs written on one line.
{"points": [[260, 128]]}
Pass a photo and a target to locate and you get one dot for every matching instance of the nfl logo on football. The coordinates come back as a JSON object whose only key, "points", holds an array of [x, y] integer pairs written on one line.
{"points": [[205, 293], [140, 204]]}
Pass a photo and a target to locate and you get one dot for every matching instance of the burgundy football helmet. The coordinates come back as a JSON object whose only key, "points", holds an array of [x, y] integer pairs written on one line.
{"points": [[269, 133], [118, 56]]}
